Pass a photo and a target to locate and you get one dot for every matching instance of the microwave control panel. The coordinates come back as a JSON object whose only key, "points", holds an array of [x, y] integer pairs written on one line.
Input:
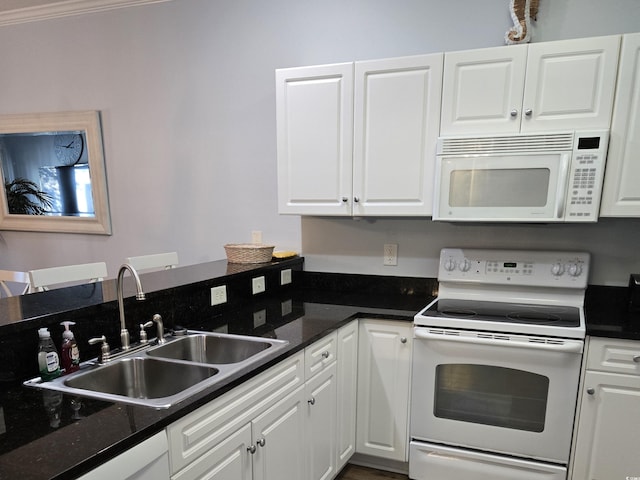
{"points": [[586, 176]]}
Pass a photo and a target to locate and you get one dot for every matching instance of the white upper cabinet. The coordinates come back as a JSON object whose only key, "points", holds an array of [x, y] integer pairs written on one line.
{"points": [[379, 162], [397, 116], [541, 87], [621, 191], [314, 113]]}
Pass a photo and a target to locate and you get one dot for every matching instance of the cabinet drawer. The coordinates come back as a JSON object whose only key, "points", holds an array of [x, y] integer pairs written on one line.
{"points": [[320, 355], [196, 433], [614, 355]]}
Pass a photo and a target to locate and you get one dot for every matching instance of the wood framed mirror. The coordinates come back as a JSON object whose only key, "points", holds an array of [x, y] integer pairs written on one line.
{"points": [[53, 173]]}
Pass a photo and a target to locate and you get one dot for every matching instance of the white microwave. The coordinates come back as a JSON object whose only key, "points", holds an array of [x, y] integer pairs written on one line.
{"points": [[547, 177]]}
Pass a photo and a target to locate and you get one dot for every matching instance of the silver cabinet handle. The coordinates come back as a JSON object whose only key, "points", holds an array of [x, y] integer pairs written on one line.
{"points": [[325, 354], [344, 199], [403, 339], [261, 442], [591, 391], [356, 199], [251, 449], [514, 113], [636, 358], [311, 401], [528, 112]]}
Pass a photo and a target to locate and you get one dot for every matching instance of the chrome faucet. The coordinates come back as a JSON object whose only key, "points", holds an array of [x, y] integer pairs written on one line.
{"points": [[124, 333]]}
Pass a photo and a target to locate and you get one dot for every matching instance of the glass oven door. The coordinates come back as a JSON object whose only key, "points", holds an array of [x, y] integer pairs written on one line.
{"points": [[503, 393]]}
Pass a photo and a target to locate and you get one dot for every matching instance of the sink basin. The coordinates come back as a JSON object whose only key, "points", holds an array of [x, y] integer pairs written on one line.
{"points": [[161, 376], [146, 378], [212, 349]]}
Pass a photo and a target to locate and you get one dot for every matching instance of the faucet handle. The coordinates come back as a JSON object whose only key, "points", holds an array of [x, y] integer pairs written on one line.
{"points": [[105, 351], [143, 332]]}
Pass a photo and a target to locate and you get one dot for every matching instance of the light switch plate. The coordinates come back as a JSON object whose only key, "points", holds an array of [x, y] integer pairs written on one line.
{"points": [[285, 276]]}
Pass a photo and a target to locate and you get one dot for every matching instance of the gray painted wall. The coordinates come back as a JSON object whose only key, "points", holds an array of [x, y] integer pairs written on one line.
{"points": [[186, 91]]}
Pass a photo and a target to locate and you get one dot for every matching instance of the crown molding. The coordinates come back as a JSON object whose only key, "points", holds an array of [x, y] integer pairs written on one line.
{"points": [[66, 8]]}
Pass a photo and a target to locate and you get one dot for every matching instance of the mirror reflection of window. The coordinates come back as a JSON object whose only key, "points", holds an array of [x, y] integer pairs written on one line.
{"points": [[57, 162]]}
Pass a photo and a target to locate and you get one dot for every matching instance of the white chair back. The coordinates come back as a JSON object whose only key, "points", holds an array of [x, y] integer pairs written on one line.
{"points": [[43, 278], [10, 276], [158, 260]]}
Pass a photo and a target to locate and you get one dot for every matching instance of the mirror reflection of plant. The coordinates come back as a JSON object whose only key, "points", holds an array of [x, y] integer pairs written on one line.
{"points": [[25, 198]]}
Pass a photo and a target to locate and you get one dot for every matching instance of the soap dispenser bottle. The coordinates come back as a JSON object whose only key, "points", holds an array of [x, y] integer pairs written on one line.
{"points": [[48, 359], [70, 353]]}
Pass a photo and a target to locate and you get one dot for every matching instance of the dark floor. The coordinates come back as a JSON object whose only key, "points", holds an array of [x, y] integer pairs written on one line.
{"points": [[354, 472]]}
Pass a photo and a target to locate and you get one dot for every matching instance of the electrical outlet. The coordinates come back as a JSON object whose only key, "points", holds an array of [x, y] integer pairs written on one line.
{"points": [[285, 276], [256, 236], [390, 254], [218, 295], [259, 318], [258, 285]]}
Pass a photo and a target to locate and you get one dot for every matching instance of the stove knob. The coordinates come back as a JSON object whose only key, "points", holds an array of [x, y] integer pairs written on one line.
{"points": [[575, 269], [557, 269], [449, 264], [464, 265]]}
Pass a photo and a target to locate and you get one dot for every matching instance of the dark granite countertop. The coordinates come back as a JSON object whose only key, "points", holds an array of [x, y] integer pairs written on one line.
{"points": [[85, 433], [90, 432]]}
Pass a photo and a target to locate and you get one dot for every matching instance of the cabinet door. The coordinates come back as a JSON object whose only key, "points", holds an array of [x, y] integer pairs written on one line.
{"points": [[384, 370], [314, 113], [279, 436], [397, 116], [321, 425], [621, 193], [482, 90], [608, 434], [347, 385], [148, 460], [570, 84], [228, 460]]}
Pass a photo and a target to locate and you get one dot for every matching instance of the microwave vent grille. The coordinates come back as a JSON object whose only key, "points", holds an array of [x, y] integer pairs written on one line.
{"points": [[505, 144]]}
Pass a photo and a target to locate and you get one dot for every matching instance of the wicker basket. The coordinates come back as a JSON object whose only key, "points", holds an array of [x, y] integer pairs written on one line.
{"points": [[248, 252]]}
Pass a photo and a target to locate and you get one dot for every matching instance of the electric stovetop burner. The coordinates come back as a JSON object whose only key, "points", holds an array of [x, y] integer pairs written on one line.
{"points": [[484, 311]]}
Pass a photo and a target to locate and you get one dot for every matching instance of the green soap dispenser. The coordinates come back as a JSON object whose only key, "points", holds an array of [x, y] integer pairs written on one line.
{"points": [[70, 353], [48, 359]]}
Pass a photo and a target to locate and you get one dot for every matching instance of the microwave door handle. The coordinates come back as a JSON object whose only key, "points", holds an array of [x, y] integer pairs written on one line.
{"points": [[561, 191], [564, 347]]}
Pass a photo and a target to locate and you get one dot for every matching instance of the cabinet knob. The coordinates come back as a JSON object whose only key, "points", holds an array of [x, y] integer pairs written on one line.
{"points": [[261, 442], [528, 112], [514, 113], [344, 199], [356, 199], [591, 391], [403, 339], [251, 449], [636, 358], [311, 401], [325, 354]]}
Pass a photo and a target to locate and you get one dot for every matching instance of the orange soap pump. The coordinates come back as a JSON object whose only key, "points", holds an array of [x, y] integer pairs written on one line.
{"points": [[70, 353]]}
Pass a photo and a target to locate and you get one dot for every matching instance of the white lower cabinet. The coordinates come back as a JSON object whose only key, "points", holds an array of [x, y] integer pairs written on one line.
{"points": [[148, 460], [321, 438], [279, 439], [249, 432], [608, 436], [384, 371], [347, 387]]}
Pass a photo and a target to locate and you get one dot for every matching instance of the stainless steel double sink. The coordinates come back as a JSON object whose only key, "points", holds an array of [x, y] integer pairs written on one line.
{"points": [[163, 375]]}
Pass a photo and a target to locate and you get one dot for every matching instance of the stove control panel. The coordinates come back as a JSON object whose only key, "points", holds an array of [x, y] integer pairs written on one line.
{"points": [[514, 267]]}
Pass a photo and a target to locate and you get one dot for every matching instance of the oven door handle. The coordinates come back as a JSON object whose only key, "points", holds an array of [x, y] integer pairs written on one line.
{"points": [[567, 346]]}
